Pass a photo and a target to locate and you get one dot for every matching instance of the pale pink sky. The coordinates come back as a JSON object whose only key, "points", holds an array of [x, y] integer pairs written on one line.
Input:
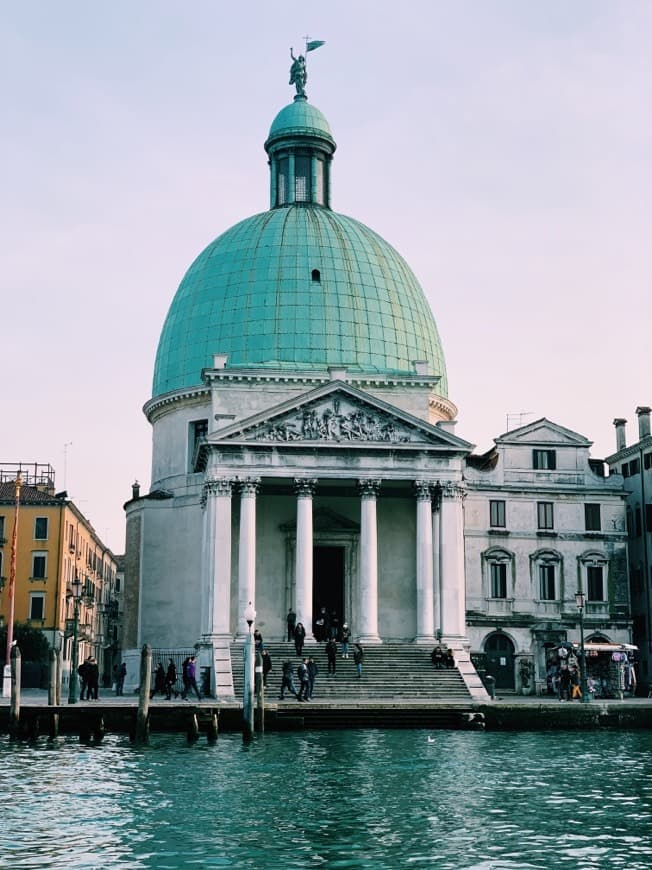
{"points": [[502, 147]]}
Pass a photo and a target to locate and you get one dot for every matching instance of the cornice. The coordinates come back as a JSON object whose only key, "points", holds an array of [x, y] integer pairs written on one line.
{"points": [[158, 402]]}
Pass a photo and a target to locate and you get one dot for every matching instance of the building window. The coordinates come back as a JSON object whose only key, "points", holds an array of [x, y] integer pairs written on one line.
{"points": [[198, 430], [595, 586], [544, 460], [282, 181], [316, 276], [545, 515], [648, 517], [1, 565], [634, 467], [302, 179], [647, 461], [592, 517], [547, 590], [37, 605], [39, 566], [497, 514], [2, 529], [41, 529], [638, 522], [498, 580]]}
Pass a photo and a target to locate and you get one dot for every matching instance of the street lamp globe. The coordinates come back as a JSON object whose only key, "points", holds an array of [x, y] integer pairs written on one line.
{"points": [[249, 614]]}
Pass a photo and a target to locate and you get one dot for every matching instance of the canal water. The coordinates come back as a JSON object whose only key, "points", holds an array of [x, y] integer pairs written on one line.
{"points": [[332, 799]]}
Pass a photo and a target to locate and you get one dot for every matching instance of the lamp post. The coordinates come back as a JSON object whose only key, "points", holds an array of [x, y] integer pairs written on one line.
{"points": [[248, 699], [74, 679], [580, 601]]}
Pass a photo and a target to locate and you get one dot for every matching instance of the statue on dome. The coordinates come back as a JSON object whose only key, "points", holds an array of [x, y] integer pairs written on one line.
{"points": [[298, 73]]}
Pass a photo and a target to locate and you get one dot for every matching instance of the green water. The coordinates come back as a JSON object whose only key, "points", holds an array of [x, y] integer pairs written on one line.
{"points": [[343, 799]]}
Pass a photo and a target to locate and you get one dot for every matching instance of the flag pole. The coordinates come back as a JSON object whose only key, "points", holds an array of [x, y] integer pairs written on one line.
{"points": [[12, 573]]}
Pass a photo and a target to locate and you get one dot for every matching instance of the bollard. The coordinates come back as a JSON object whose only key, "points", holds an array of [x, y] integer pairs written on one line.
{"points": [[211, 730], [142, 718], [260, 695], [98, 729], [14, 710], [54, 726]]}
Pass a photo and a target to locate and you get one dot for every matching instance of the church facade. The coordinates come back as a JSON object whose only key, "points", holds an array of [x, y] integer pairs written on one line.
{"points": [[304, 452]]}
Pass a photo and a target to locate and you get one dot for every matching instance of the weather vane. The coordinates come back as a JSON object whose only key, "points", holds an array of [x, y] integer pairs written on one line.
{"points": [[299, 71]]}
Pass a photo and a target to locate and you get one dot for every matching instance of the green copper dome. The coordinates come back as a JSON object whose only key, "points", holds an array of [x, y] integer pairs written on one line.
{"points": [[298, 287]]}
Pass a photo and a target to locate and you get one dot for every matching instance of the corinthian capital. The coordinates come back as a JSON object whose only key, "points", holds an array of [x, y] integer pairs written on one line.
{"points": [[305, 486], [453, 490], [249, 485], [218, 486], [369, 488], [423, 490]]}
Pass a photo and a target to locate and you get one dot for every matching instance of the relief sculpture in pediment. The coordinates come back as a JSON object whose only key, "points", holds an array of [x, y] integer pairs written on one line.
{"points": [[335, 423]]}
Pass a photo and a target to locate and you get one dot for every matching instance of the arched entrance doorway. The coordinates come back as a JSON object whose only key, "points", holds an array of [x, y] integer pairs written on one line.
{"points": [[500, 660]]}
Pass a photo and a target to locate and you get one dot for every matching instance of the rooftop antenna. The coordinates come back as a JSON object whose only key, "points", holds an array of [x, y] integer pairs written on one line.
{"points": [[515, 419], [65, 462]]}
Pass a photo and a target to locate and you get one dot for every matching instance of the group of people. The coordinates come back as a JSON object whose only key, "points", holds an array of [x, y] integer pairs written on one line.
{"points": [[441, 659], [165, 680], [89, 679]]}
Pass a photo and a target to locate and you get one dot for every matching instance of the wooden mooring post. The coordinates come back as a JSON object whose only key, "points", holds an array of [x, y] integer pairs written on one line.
{"points": [[142, 717], [211, 730], [52, 693], [14, 709]]}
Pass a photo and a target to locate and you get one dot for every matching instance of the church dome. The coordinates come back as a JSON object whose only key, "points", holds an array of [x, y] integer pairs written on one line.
{"points": [[298, 287]]}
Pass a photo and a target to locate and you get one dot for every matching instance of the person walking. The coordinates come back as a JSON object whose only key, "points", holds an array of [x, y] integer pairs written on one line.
{"points": [[304, 680], [358, 658], [291, 620], [346, 637], [267, 665], [92, 679], [82, 672], [258, 641], [299, 638], [184, 676], [170, 680], [191, 679], [120, 674], [331, 654], [286, 681], [159, 681], [313, 670]]}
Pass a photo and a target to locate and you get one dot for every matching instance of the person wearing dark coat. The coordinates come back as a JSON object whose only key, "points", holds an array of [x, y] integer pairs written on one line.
{"points": [[267, 665], [437, 657], [287, 682], [170, 680], [159, 681], [291, 621], [82, 671], [258, 641], [299, 637], [449, 661], [313, 670], [93, 679], [358, 658], [331, 654]]}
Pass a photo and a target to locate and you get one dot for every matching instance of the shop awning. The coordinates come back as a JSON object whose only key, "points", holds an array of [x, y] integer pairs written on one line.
{"points": [[607, 647]]}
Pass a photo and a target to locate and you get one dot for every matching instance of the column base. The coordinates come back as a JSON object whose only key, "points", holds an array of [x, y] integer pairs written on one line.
{"points": [[368, 639], [215, 653], [425, 639]]}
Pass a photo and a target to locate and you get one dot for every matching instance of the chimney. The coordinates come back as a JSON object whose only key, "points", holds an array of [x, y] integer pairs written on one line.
{"points": [[135, 489], [620, 423], [643, 422]]}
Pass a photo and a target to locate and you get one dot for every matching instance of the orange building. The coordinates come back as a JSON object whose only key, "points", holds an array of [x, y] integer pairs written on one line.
{"points": [[55, 544]]}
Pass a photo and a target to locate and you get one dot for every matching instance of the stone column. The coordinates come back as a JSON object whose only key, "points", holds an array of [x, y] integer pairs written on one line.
{"points": [[247, 550], [425, 596], [305, 490], [216, 558], [368, 609], [436, 557], [453, 592]]}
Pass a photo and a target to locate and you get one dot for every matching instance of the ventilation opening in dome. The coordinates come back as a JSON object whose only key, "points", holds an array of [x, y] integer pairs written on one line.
{"points": [[316, 276]]}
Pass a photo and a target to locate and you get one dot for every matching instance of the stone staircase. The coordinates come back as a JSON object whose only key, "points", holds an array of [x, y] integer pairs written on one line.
{"points": [[392, 672]]}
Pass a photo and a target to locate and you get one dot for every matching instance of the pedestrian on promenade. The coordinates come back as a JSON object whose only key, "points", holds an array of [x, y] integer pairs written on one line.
{"points": [[82, 671], [304, 680], [191, 679], [313, 670], [576, 692], [299, 638], [490, 683], [286, 682], [170, 680], [184, 676], [291, 620], [159, 681], [120, 674], [358, 658], [92, 679], [258, 641], [331, 654], [346, 637], [565, 685], [267, 666], [322, 625]]}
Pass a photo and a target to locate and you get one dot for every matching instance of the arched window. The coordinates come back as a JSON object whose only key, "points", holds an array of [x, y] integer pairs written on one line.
{"points": [[546, 575], [498, 565], [316, 276]]}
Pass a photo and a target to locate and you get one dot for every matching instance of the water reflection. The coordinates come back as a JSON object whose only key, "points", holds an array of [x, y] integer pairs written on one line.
{"points": [[358, 799]]}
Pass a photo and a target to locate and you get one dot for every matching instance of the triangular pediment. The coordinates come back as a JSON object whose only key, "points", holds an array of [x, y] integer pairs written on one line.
{"points": [[338, 413], [542, 433]]}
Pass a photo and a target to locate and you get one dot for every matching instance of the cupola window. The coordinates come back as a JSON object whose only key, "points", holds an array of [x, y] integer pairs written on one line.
{"points": [[301, 179], [316, 276], [282, 185]]}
